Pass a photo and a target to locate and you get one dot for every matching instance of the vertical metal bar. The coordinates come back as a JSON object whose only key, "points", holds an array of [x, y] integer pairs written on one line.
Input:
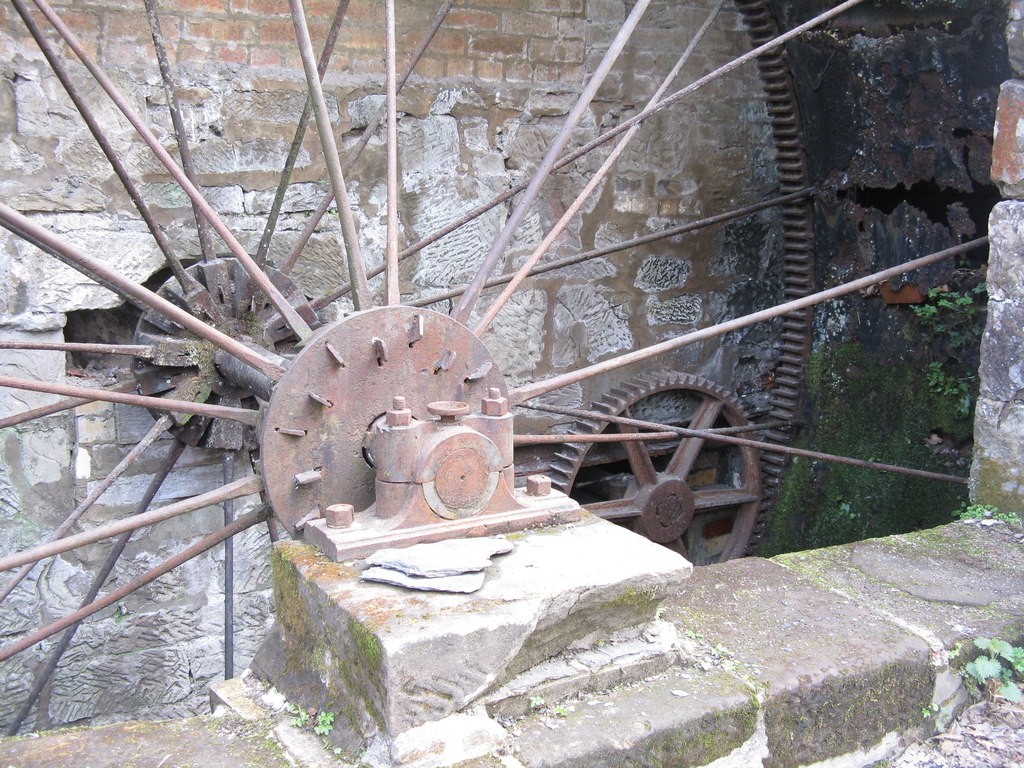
{"points": [[229, 575], [392, 294], [162, 425], [300, 131], [357, 150], [299, 326], [184, 151], [465, 306], [98, 580], [361, 298]]}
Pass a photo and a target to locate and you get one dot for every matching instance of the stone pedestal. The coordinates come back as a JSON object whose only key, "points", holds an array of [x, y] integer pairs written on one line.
{"points": [[411, 675]]}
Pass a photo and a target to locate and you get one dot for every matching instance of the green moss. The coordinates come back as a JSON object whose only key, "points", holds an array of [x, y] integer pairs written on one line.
{"points": [[846, 713], [703, 741], [879, 409], [367, 645]]}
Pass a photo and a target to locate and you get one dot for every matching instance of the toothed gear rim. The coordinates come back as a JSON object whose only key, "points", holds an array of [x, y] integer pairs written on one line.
{"points": [[724, 482]]}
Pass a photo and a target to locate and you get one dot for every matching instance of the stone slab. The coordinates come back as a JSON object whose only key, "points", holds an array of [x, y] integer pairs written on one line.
{"points": [[820, 660], [442, 558], [462, 582], [389, 660], [952, 583]]}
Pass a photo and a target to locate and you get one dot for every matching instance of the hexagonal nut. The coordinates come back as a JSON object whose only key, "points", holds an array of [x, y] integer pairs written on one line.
{"points": [[398, 417], [538, 485], [339, 515], [494, 406]]}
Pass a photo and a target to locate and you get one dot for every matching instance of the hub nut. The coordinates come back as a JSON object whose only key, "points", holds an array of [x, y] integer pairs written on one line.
{"points": [[538, 485], [494, 404], [398, 415], [339, 515]]}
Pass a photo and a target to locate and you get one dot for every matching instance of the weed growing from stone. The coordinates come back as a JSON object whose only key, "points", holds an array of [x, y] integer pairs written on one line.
{"points": [[324, 723], [1000, 671], [987, 512]]}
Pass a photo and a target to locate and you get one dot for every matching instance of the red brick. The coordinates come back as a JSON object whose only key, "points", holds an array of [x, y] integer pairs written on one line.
{"points": [[561, 6], [233, 54], [277, 32], [197, 6], [459, 68], [430, 67], [533, 24], [500, 46], [520, 72], [470, 19], [447, 42], [559, 51], [488, 70], [217, 30]]}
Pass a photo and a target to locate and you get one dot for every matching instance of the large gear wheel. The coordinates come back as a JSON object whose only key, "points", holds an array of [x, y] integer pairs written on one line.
{"points": [[696, 497]]}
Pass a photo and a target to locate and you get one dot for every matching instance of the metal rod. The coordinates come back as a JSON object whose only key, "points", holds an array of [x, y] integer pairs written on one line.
{"points": [[592, 184], [368, 132], [361, 299], [162, 425], [44, 674], [626, 125], [623, 437], [229, 576], [187, 282], [184, 151], [392, 294], [295, 322], [244, 487], [568, 261], [243, 415], [528, 391], [468, 301], [135, 350], [710, 436], [57, 407], [300, 132], [201, 546], [98, 270]]}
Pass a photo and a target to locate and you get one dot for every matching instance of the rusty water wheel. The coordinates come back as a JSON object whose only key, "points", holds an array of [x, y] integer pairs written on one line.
{"points": [[699, 499]]}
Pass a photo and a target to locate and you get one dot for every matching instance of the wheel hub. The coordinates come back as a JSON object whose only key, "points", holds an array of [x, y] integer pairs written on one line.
{"points": [[666, 509]]}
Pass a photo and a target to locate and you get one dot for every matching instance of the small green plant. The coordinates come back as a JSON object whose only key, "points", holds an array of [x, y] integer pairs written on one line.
{"points": [[999, 671], [324, 723], [942, 383], [537, 702], [560, 711], [930, 710], [987, 511], [953, 314], [301, 717]]}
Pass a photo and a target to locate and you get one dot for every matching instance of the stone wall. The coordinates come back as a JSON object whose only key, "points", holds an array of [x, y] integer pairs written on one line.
{"points": [[475, 118], [997, 475]]}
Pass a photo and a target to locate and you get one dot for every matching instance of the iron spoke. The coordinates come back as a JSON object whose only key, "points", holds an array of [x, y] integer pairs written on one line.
{"points": [[243, 415], [201, 546], [356, 151], [300, 132], [730, 440], [520, 395], [100, 272], [295, 322], [57, 407], [94, 589], [244, 487], [134, 350], [686, 453], [392, 294], [162, 425], [468, 301], [591, 185]]}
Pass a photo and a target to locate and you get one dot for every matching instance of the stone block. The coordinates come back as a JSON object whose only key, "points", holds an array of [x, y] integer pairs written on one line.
{"points": [[1005, 278], [391, 660], [1015, 36], [997, 472], [1002, 364], [820, 658], [949, 583], [1008, 143]]}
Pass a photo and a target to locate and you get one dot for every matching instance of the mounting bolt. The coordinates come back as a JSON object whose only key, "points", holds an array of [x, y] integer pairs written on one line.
{"points": [[339, 515], [307, 477], [398, 415], [449, 411], [494, 404], [538, 485]]}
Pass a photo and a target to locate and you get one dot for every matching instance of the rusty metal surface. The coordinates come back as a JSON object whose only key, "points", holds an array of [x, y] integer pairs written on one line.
{"points": [[379, 354], [662, 488]]}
